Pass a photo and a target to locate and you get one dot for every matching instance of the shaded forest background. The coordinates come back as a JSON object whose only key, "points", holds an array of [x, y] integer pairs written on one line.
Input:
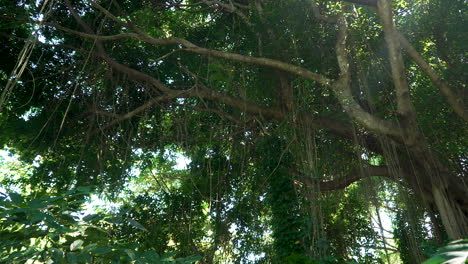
{"points": [[313, 131]]}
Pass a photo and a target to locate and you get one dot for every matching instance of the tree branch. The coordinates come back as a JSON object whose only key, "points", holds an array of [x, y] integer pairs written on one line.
{"points": [[356, 175], [371, 3], [405, 108], [404, 105], [345, 96], [454, 102], [256, 61], [340, 128]]}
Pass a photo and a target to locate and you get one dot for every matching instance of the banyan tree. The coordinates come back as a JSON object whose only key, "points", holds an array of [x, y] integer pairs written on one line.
{"points": [[305, 118]]}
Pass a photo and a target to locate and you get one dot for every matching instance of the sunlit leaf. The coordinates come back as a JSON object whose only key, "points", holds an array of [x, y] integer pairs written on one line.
{"points": [[137, 225], [76, 244], [130, 253], [456, 252]]}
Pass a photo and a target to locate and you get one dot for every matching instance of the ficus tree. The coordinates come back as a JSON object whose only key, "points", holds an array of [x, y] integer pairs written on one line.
{"points": [[287, 100]]}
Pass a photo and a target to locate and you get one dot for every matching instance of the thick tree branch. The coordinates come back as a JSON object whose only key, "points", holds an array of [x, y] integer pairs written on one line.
{"points": [[454, 102], [371, 3], [340, 128], [344, 94], [337, 127], [191, 47], [356, 175], [261, 62], [404, 105], [405, 108], [150, 103]]}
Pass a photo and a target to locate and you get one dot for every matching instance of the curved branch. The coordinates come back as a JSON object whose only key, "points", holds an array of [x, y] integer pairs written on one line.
{"points": [[371, 3], [190, 47], [343, 92], [262, 62], [340, 128], [337, 127], [354, 176], [454, 102]]}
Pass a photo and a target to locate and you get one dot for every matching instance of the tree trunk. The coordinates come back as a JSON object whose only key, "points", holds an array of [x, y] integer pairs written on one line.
{"points": [[442, 191], [453, 215], [445, 193]]}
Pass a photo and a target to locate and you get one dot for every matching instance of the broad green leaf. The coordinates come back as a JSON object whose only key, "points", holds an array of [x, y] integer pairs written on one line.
{"points": [[130, 253], [57, 254], [76, 244], [84, 189], [191, 259], [36, 204], [114, 220], [15, 197], [84, 257], [137, 225], [37, 216], [456, 252], [89, 247], [54, 236], [72, 257], [92, 217], [101, 250], [151, 256], [435, 260], [169, 255]]}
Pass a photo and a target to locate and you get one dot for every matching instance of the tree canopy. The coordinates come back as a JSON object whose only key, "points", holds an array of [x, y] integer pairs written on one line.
{"points": [[304, 124]]}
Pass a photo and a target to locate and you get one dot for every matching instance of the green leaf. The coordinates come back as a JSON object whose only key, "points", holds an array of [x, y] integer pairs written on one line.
{"points": [[38, 216], [54, 236], [15, 197], [191, 259], [151, 256], [130, 253], [89, 247], [168, 255], [72, 258], [84, 189], [101, 250], [57, 254], [456, 252], [84, 258], [36, 204], [76, 244], [114, 220], [435, 260], [92, 217], [137, 225]]}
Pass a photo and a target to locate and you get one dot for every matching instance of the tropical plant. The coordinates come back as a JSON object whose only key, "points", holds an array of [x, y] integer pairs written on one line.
{"points": [[52, 229]]}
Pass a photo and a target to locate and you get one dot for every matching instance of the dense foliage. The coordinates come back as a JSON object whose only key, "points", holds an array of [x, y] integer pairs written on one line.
{"points": [[313, 131]]}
